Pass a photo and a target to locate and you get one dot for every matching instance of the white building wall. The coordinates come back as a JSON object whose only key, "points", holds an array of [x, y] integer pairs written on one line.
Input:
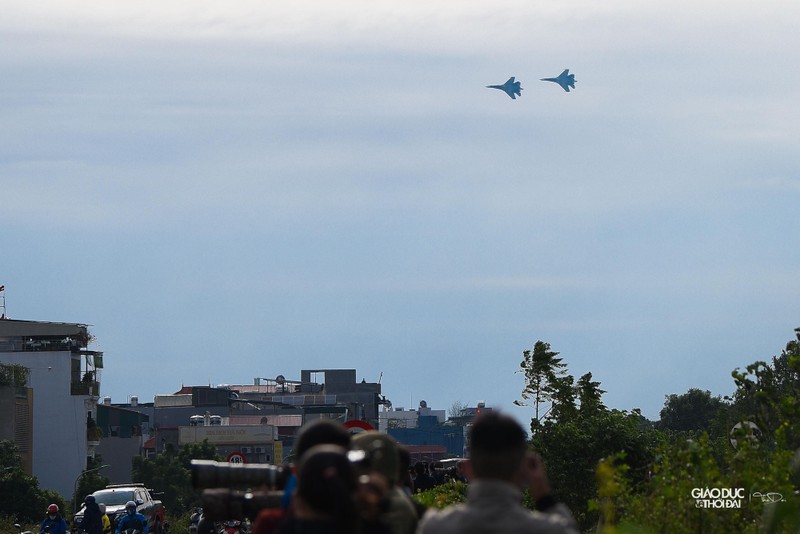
{"points": [[397, 419], [59, 419]]}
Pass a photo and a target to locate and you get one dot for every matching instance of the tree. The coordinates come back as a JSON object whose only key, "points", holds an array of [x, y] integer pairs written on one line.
{"points": [[589, 395], [695, 410], [563, 407], [766, 394], [579, 431], [14, 374], [169, 473], [456, 408], [90, 482], [542, 369], [20, 495], [769, 394], [572, 448]]}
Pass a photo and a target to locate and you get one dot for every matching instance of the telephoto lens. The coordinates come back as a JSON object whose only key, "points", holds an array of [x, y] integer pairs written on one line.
{"points": [[211, 474]]}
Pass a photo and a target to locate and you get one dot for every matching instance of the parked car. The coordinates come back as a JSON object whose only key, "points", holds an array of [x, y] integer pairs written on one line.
{"points": [[115, 497]]}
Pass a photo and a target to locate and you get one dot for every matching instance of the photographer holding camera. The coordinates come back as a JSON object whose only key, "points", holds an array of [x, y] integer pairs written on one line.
{"points": [[501, 466]]}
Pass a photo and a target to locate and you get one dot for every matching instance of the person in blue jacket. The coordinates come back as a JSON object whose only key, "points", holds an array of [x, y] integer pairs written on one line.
{"points": [[132, 519], [53, 523]]}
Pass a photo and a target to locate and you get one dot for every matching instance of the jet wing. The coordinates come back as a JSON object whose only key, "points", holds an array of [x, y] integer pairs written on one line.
{"points": [[512, 96], [510, 80], [565, 73]]}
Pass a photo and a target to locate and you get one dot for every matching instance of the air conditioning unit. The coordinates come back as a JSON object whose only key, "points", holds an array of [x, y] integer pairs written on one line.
{"points": [[259, 450], [247, 450]]}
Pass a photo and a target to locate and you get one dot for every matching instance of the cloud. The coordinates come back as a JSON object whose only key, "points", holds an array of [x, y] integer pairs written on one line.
{"points": [[512, 26]]}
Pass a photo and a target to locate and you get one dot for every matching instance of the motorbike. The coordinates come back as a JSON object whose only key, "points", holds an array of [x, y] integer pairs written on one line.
{"points": [[194, 519], [231, 526], [234, 526], [19, 527]]}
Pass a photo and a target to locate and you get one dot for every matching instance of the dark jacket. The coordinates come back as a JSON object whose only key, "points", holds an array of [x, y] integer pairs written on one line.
{"points": [[92, 519]]}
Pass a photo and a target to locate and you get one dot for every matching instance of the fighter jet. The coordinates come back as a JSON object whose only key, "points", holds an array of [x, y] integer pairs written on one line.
{"points": [[565, 80], [510, 87]]}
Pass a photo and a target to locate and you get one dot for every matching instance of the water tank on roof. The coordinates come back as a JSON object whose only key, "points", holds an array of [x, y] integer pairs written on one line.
{"points": [[196, 420], [106, 401], [134, 400], [216, 420]]}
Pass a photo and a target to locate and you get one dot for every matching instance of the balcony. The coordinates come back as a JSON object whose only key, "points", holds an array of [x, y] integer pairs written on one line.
{"points": [[90, 388]]}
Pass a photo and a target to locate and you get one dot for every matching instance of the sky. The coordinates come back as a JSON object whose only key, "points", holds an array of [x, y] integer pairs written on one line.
{"points": [[231, 190]]}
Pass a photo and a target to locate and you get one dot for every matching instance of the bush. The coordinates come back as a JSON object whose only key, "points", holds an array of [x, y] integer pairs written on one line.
{"points": [[442, 495]]}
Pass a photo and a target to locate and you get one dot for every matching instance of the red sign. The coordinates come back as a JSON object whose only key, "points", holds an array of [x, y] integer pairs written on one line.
{"points": [[236, 458], [357, 426]]}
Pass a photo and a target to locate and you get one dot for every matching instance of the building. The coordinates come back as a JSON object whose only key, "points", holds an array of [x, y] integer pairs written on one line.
{"points": [[257, 443], [124, 433], [402, 418], [260, 420], [64, 381], [424, 433], [427, 435], [16, 411]]}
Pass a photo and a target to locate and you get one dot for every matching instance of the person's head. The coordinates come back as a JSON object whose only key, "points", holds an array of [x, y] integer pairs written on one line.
{"points": [[419, 468], [89, 500], [102, 508], [403, 467], [326, 484], [130, 508], [380, 451], [52, 511], [321, 432], [460, 467], [497, 444]]}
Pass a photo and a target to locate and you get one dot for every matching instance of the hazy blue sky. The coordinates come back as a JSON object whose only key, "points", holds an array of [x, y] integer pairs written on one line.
{"points": [[231, 191]]}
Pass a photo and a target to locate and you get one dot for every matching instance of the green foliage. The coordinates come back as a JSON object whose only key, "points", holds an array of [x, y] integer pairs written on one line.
{"points": [[7, 525], [666, 502], [580, 430], [695, 410], [91, 481], [178, 524], [767, 464], [20, 495], [169, 473], [589, 395], [14, 374], [442, 495], [542, 370], [769, 394], [572, 449]]}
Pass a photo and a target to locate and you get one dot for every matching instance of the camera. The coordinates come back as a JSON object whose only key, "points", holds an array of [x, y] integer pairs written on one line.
{"points": [[222, 484], [211, 474]]}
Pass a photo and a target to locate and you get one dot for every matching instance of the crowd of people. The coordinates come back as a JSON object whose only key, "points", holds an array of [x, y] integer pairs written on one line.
{"points": [[95, 520], [364, 484]]}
